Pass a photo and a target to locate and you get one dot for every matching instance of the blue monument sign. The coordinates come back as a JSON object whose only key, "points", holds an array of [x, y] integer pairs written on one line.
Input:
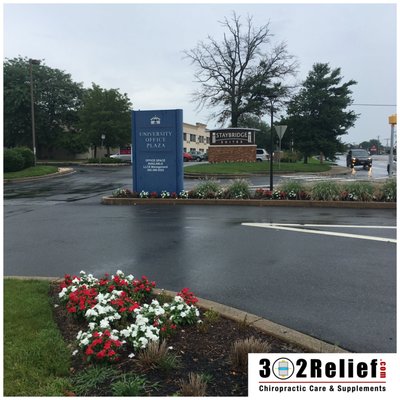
{"points": [[157, 140]]}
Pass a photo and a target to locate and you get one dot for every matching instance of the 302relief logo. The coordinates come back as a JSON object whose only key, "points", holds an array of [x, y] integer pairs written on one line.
{"points": [[301, 373], [284, 368]]}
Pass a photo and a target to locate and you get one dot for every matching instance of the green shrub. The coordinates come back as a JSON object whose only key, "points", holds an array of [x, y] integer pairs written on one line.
{"points": [[239, 189], [294, 190], [28, 156], [390, 190], [207, 189], [13, 160], [358, 191], [290, 157], [325, 191]]}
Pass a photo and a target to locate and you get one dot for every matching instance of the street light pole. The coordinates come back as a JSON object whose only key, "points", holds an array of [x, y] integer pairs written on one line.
{"points": [[271, 98], [33, 62]]}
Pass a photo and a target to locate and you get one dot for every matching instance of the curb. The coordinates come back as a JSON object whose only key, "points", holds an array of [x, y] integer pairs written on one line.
{"points": [[61, 172], [281, 332], [108, 200]]}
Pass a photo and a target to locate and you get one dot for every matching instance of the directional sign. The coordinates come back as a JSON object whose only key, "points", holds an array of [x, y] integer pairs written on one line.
{"points": [[280, 130]]}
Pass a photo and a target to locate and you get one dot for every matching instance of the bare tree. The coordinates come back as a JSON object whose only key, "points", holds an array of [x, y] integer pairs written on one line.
{"points": [[237, 74]]}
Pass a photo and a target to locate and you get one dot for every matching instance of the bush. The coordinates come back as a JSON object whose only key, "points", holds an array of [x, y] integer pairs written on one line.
{"points": [[294, 190], [242, 348], [390, 190], [290, 157], [13, 160], [325, 191], [28, 156], [358, 191], [239, 189], [207, 189]]}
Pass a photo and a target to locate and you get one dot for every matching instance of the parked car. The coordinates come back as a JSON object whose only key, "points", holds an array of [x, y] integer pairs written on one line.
{"points": [[187, 157], [358, 157], [197, 155], [262, 155], [122, 157]]}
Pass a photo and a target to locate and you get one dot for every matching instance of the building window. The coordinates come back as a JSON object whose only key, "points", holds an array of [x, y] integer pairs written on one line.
{"points": [[192, 137], [184, 136]]}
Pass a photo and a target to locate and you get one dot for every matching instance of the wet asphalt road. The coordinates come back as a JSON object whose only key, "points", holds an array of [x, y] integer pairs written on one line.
{"points": [[339, 289]]}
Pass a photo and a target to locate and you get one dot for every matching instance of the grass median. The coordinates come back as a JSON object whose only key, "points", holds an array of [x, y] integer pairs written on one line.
{"points": [[39, 170], [36, 359], [239, 168]]}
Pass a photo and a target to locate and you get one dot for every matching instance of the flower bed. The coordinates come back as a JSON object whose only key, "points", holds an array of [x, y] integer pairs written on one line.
{"points": [[121, 314], [351, 191]]}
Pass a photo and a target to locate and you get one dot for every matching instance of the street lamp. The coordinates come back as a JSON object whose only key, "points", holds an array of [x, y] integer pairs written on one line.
{"points": [[272, 98], [33, 62], [103, 136]]}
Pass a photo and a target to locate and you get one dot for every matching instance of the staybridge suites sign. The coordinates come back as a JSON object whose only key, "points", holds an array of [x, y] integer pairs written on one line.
{"points": [[157, 150], [232, 136]]}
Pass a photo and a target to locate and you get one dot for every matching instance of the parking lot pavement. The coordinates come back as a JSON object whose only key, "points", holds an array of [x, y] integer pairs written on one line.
{"points": [[337, 288]]}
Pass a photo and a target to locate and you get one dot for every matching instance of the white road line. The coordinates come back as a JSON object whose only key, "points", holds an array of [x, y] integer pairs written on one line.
{"points": [[342, 226], [292, 228]]}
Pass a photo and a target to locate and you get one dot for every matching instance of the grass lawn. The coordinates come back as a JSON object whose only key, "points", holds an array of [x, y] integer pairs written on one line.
{"points": [[39, 170], [36, 359], [256, 168]]}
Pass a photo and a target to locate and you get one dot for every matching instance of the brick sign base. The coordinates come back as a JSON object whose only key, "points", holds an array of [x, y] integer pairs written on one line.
{"points": [[218, 154]]}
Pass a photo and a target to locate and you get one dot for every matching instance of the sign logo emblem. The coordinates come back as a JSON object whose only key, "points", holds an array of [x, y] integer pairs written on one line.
{"points": [[155, 120], [283, 368]]}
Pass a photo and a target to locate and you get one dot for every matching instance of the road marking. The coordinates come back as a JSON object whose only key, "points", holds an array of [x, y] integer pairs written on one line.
{"points": [[300, 228]]}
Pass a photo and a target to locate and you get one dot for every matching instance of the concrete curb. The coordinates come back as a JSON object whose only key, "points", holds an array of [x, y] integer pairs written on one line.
{"points": [[108, 200], [281, 332], [61, 172]]}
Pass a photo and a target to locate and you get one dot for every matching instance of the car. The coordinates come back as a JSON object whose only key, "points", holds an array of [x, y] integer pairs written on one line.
{"points": [[262, 155], [197, 155], [187, 157], [358, 157], [122, 157]]}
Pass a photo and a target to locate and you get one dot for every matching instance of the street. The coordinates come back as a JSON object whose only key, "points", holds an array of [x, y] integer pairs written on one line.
{"points": [[334, 279]]}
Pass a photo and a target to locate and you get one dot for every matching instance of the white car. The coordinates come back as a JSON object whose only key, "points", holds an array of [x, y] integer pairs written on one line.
{"points": [[122, 157], [262, 155]]}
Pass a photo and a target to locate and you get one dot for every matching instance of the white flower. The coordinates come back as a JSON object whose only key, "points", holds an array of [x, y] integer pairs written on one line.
{"points": [[104, 323], [131, 355], [120, 273], [75, 352], [56, 305]]}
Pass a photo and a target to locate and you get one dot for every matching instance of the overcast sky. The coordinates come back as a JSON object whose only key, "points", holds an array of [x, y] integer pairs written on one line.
{"points": [[138, 48]]}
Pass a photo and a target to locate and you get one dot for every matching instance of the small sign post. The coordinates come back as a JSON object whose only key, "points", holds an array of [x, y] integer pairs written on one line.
{"points": [[280, 130]]}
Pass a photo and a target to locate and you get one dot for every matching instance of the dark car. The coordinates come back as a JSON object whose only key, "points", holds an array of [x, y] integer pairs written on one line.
{"points": [[197, 155], [358, 157]]}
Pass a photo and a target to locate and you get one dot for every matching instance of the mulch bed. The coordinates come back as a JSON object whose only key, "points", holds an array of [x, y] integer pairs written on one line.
{"points": [[200, 351]]}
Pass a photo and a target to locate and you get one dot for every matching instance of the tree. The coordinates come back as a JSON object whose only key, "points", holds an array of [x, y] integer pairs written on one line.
{"points": [[236, 74], [264, 130], [57, 100], [317, 114], [106, 112]]}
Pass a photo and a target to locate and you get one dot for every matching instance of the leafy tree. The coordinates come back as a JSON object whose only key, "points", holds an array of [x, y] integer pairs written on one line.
{"points": [[264, 132], [106, 112], [317, 114], [57, 100], [236, 74]]}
